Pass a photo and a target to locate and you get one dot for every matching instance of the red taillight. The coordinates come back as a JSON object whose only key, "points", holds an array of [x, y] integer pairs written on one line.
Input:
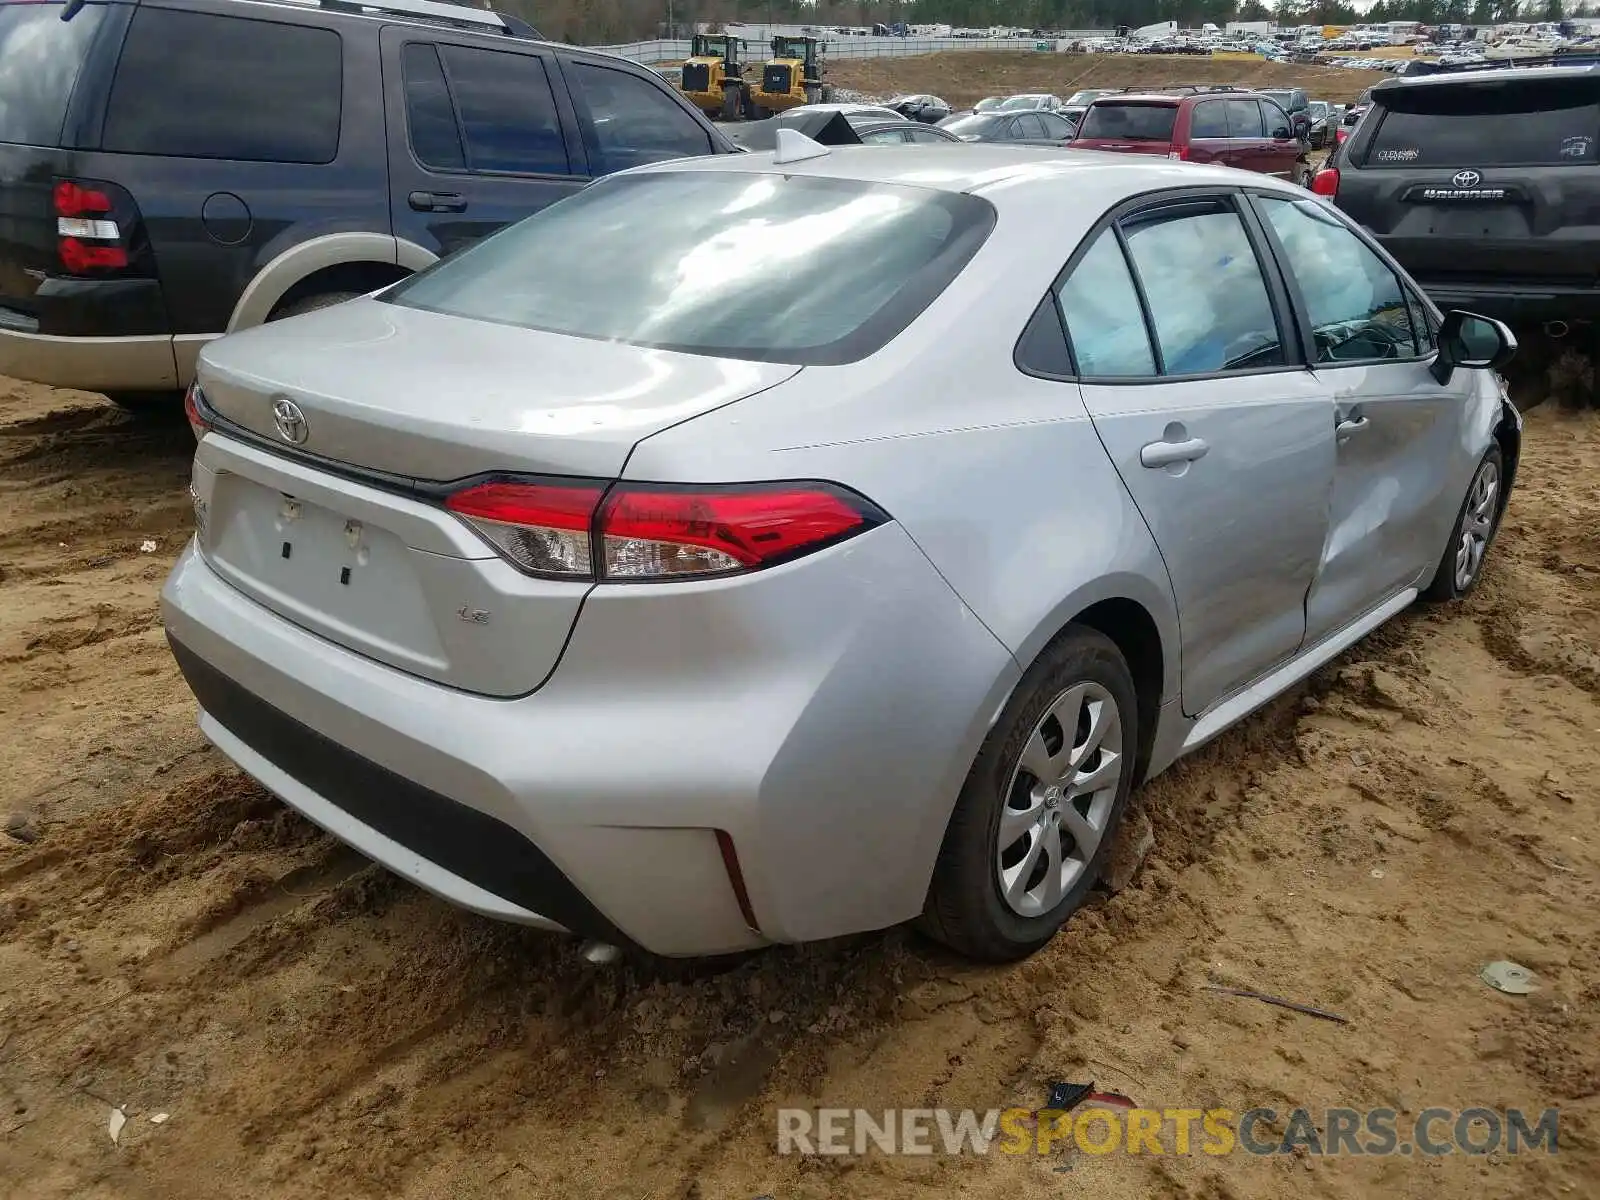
{"points": [[659, 532], [543, 528], [1181, 153], [75, 200], [194, 407], [1326, 182], [88, 235], [646, 532]]}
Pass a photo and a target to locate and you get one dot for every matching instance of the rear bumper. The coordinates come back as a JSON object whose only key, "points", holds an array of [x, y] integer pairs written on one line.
{"points": [[98, 364], [1508, 300], [823, 714]]}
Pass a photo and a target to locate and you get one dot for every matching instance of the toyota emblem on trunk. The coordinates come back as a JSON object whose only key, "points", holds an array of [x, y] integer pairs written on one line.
{"points": [[290, 421], [1467, 179]]}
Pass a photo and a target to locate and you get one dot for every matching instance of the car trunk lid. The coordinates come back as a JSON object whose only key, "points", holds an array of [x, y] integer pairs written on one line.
{"points": [[1491, 179], [331, 512]]}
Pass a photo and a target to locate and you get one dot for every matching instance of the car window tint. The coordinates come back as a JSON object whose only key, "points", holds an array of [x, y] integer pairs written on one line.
{"points": [[507, 111], [1130, 122], [1526, 123], [195, 85], [1244, 119], [42, 56], [431, 118], [1275, 118], [1356, 307], [1209, 120], [1208, 300], [774, 268], [1101, 312], [631, 121]]}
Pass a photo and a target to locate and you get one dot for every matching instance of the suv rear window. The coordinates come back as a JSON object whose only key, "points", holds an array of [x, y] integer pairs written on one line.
{"points": [[1546, 123], [754, 266], [1131, 122], [42, 56], [195, 85]]}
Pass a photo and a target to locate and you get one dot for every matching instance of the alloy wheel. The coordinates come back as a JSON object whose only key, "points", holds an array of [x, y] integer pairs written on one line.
{"points": [[1477, 524], [1060, 799]]}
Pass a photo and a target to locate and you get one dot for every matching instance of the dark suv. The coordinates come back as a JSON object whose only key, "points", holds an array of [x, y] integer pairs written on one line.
{"points": [[172, 170], [1485, 185]]}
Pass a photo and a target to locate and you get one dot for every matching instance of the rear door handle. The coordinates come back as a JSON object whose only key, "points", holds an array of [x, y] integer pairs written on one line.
{"points": [[1350, 425], [1164, 454], [438, 201]]}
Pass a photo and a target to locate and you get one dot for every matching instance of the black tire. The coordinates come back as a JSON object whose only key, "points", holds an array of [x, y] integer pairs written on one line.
{"points": [[311, 303], [1446, 583], [149, 406], [965, 909]]}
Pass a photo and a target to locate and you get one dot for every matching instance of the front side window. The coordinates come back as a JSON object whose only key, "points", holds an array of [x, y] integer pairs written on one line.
{"points": [[1276, 119], [1357, 309], [631, 121], [507, 111], [1101, 312], [195, 85], [795, 269], [1208, 300]]}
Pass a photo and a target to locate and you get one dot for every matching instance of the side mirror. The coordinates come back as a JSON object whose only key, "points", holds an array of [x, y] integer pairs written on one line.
{"points": [[1468, 340], [1280, 134]]}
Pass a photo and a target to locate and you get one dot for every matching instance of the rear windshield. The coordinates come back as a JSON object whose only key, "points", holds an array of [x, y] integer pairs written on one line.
{"points": [[755, 266], [1130, 122], [40, 56], [1535, 123]]}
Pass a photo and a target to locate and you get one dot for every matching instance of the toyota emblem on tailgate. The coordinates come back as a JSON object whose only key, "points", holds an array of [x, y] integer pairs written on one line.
{"points": [[290, 421], [1467, 179]]}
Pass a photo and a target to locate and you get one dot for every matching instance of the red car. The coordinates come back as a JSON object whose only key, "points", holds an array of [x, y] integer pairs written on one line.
{"points": [[1234, 128]]}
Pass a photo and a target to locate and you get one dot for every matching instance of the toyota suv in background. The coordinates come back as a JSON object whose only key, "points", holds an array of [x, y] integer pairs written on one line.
{"points": [[172, 170], [1485, 186], [1233, 129]]}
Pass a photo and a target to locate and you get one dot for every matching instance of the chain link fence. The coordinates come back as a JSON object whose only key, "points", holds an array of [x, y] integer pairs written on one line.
{"points": [[869, 47]]}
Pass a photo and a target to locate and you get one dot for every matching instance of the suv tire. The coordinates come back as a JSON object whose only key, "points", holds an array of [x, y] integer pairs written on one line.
{"points": [[311, 303], [1083, 679]]}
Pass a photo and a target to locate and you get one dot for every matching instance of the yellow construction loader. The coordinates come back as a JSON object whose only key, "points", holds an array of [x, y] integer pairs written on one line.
{"points": [[713, 77], [791, 77]]}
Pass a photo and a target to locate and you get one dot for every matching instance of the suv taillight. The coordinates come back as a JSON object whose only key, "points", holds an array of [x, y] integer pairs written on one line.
{"points": [[633, 532], [1181, 153], [1326, 182], [93, 226]]}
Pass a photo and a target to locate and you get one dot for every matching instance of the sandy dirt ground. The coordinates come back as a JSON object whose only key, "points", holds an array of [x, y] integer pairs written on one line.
{"points": [[966, 77], [173, 941]]}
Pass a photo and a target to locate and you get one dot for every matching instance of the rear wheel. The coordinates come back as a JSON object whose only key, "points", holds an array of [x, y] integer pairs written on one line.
{"points": [[307, 304], [1034, 823], [1479, 519]]}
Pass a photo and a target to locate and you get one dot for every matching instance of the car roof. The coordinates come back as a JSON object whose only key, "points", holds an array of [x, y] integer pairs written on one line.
{"points": [[1488, 75], [989, 169]]}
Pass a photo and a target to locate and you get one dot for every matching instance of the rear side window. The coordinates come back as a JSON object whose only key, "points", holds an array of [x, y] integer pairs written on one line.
{"points": [[194, 85], [795, 269], [1130, 122], [1544, 123], [1208, 300], [1244, 119], [631, 121], [1209, 120], [1101, 312], [435, 137], [42, 56], [507, 111]]}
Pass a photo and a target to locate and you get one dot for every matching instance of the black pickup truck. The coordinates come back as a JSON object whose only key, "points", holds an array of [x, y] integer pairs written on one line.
{"points": [[1485, 185]]}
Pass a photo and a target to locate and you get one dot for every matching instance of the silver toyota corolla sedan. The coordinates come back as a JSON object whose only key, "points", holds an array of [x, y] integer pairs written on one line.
{"points": [[763, 548]]}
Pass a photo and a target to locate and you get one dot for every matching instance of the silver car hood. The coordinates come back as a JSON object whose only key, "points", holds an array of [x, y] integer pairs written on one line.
{"points": [[436, 397]]}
